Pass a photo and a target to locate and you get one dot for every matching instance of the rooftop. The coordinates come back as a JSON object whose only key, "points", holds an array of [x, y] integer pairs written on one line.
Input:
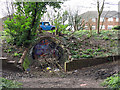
{"points": [[94, 14]]}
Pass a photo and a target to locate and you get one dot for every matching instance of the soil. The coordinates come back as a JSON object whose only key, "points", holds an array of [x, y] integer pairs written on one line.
{"points": [[90, 77]]}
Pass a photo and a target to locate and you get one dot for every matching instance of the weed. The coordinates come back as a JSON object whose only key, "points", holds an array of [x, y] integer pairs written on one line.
{"points": [[5, 83], [98, 50], [95, 53], [17, 54], [87, 44], [111, 40], [86, 52], [112, 82], [7, 50], [76, 56], [86, 56], [89, 50], [105, 38], [74, 52]]}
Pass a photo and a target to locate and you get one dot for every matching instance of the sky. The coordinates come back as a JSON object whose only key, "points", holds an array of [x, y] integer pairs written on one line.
{"points": [[80, 5], [90, 5]]}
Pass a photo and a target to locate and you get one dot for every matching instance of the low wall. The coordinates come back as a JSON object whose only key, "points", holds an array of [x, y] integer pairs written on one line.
{"points": [[78, 64]]}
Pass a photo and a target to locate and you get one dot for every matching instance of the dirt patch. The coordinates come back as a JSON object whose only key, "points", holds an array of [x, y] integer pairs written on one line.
{"points": [[60, 83], [89, 77]]}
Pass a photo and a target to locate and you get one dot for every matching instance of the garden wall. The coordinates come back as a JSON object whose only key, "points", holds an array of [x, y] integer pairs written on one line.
{"points": [[78, 64]]}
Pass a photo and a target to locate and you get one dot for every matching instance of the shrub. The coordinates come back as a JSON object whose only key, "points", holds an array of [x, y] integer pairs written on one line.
{"points": [[5, 83], [112, 82], [116, 27], [89, 50], [17, 54]]}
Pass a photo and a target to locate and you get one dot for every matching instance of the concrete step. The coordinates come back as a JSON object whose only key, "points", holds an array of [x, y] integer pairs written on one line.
{"points": [[6, 60], [3, 58]]}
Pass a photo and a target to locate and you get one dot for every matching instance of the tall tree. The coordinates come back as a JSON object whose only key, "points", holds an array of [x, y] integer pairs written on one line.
{"points": [[100, 10], [22, 28]]}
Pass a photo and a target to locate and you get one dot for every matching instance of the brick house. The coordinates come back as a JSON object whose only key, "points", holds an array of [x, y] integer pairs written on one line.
{"points": [[108, 19]]}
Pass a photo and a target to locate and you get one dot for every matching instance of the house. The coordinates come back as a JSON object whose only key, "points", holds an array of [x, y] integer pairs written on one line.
{"points": [[108, 19]]}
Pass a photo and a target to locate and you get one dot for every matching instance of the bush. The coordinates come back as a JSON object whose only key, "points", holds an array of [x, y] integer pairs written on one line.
{"points": [[116, 27], [5, 83], [112, 82]]}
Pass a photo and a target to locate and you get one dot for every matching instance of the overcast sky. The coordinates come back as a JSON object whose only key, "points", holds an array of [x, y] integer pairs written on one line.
{"points": [[90, 5], [80, 5]]}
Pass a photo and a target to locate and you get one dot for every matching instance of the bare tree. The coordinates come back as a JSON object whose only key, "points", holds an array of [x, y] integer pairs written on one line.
{"points": [[90, 24], [103, 20], [64, 17], [75, 20], [100, 10]]}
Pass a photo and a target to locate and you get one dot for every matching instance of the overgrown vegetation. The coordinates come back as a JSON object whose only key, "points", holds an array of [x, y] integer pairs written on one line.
{"points": [[112, 82], [21, 31], [24, 25], [83, 45], [5, 84]]}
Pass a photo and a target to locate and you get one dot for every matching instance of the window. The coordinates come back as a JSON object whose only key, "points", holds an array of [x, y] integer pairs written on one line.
{"points": [[46, 23], [93, 19], [93, 27], [101, 19], [117, 19], [86, 27], [110, 27], [110, 19], [102, 26]]}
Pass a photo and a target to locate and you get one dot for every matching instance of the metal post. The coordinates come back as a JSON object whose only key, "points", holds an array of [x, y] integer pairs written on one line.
{"points": [[119, 30], [0, 47]]}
